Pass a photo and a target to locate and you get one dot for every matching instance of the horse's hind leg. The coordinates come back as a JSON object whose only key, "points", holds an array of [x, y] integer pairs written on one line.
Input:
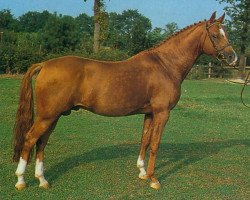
{"points": [[146, 134], [39, 127], [40, 146]]}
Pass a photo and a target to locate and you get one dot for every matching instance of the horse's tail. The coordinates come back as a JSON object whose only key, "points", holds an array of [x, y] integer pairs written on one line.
{"points": [[25, 112]]}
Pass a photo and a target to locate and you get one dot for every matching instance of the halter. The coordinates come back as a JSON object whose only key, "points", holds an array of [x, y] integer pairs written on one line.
{"points": [[220, 56]]}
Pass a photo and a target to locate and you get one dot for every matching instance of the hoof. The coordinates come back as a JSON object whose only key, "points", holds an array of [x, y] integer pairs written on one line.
{"points": [[143, 177], [155, 185], [20, 186], [44, 185]]}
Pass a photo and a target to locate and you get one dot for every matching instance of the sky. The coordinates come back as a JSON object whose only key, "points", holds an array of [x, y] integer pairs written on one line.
{"points": [[160, 12]]}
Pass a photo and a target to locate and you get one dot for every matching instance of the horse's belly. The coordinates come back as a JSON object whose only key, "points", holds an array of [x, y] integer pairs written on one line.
{"points": [[114, 96], [115, 106], [116, 109]]}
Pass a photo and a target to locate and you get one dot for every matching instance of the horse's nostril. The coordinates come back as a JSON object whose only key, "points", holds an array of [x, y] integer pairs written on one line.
{"points": [[231, 57]]}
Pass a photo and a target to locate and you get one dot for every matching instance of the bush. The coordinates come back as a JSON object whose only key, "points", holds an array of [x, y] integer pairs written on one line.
{"points": [[109, 54], [17, 60]]}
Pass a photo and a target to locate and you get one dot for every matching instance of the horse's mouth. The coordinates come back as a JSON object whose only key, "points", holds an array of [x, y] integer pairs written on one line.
{"points": [[233, 64]]}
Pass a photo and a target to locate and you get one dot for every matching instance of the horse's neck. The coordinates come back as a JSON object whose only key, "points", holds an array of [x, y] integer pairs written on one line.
{"points": [[179, 53]]}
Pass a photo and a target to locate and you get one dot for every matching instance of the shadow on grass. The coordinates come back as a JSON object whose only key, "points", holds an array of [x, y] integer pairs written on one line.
{"points": [[179, 155]]}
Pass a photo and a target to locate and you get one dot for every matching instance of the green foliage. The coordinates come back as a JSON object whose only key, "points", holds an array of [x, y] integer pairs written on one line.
{"points": [[60, 34], [7, 20], [155, 36], [128, 31], [37, 36], [239, 24], [33, 21], [108, 54], [18, 51], [84, 24], [17, 60], [170, 28], [159, 34]]}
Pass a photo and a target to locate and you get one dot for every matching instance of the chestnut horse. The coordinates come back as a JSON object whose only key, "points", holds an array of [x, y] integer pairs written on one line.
{"points": [[148, 83]]}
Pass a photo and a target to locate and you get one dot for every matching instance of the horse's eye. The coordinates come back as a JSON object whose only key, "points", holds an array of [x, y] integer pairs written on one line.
{"points": [[215, 36]]}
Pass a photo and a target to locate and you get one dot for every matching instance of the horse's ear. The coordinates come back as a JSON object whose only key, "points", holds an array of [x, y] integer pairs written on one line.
{"points": [[221, 18], [212, 18]]}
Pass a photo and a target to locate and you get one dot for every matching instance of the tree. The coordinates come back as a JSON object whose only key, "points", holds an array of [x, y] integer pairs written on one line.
{"points": [[128, 31], [170, 28], [85, 24], [6, 20], [155, 36], [33, 21], [159, 34], [98, 9], [85, 30], [19, 51], [60, 34], [239, 11]]}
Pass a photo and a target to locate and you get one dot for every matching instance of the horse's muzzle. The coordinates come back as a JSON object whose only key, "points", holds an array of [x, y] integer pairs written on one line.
{"points": [[231, 58]]}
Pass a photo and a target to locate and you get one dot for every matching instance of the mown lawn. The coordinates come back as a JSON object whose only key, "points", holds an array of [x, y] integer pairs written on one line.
{"points": [[204, 152]]}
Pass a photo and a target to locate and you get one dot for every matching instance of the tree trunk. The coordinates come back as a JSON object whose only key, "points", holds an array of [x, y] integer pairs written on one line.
{"points": [[97, 9]]}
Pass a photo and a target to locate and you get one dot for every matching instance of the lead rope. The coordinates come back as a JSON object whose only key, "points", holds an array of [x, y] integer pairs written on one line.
{"points": [[242, 91]]}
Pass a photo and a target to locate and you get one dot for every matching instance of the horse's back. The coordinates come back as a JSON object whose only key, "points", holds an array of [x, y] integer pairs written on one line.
{"points": [[107, 88]]}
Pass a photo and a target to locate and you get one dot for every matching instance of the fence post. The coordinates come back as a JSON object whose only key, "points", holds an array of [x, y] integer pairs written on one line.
{"points": [[209, 69], [242, 65]]}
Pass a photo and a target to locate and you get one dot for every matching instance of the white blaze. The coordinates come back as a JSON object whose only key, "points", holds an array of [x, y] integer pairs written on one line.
{"points": [[222, 32]]}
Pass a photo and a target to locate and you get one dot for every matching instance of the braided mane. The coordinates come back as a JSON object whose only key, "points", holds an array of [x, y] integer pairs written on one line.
{"points": [[174, 34]]}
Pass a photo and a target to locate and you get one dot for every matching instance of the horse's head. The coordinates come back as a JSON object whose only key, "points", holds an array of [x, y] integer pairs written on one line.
{"points": [[216, 42]]}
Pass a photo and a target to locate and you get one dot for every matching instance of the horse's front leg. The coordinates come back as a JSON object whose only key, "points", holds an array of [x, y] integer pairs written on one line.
{"points": [[144, 145], [159, 121]]}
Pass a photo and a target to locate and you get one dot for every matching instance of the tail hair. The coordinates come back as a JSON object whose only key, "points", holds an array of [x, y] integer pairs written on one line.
{"points": [[25, 112]]}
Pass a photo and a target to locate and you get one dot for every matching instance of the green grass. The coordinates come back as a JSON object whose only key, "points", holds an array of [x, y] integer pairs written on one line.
{"points": [[204, 152]]}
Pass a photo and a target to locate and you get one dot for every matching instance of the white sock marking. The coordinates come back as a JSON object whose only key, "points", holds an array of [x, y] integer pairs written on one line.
{"points": [[140, 165], [20, 180], [39, 168], [20, 171], [140, 162], [21, 167], [42, 181], [39, 173]]}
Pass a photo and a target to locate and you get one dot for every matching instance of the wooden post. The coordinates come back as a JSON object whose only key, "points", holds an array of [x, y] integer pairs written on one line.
{"points": [[242, 64], [209, 69]]}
